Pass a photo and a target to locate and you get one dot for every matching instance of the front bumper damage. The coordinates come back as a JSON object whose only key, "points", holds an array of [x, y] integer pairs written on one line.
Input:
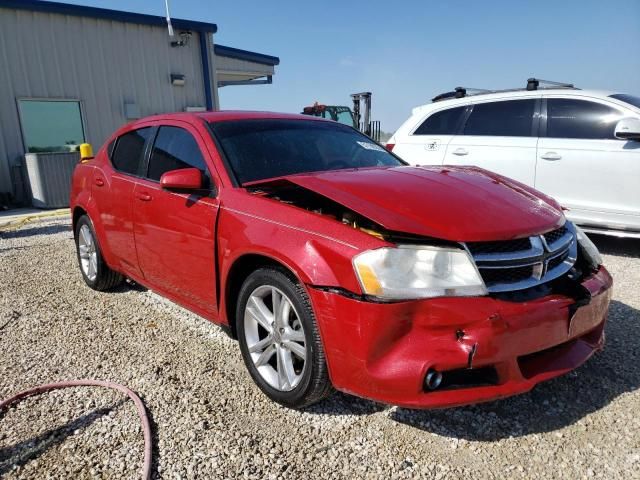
{"points": [[485, 347]]}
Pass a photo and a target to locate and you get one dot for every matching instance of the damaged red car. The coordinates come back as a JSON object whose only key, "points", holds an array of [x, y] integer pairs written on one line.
{"points": [[338, 266]]}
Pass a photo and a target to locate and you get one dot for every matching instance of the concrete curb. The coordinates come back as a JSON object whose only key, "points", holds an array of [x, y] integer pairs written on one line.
{"points": [[18, 221]]}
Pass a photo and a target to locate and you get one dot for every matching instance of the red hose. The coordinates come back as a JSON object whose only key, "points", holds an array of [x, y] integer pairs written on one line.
{"points": [[142, 413]]}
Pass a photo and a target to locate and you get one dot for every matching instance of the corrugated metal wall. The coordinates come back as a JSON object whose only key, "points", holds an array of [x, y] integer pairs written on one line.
{"points": [[100, 62]]}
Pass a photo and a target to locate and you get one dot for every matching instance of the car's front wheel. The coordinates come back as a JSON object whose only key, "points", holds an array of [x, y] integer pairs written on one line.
{"points": [[95, 272], [279, 339]]}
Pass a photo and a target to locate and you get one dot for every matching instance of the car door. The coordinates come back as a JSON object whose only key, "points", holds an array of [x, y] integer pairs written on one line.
{"points": [[585, 167], [500, 136], [112, 191], [426, 144], [175, 231]]}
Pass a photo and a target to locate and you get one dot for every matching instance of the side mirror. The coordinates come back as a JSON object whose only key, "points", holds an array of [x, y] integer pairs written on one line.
{"points": [[628, 129], [182, 179], [86, 152]]}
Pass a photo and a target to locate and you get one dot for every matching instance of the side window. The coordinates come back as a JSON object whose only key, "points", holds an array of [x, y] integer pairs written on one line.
{"points": [[567, 118], [129, 150], [444, 122], [513, 118], [174, 148]]}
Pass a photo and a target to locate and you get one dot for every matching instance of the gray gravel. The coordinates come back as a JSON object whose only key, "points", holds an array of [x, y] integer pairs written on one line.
{"points": [[211, 421]]}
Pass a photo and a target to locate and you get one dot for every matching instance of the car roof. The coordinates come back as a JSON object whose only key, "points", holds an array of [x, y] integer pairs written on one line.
{"points": [[223, 115], [508, 94]]}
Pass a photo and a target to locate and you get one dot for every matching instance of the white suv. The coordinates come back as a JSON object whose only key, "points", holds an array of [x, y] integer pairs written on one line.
{"points": [[580, 146]]}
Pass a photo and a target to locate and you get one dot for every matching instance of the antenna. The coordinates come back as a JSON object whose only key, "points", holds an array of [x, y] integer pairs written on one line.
{"points": [[169, 26]]}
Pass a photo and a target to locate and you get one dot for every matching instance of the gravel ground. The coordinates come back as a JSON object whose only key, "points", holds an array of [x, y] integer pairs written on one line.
{"points": [[210, 421]]}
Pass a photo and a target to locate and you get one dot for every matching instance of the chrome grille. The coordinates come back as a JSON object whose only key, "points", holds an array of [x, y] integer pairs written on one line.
{"points": [[526, 262]]}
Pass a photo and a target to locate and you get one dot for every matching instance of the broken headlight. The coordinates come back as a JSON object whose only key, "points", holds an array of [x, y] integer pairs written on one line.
{"points": [[589, 250], [417, 271]]}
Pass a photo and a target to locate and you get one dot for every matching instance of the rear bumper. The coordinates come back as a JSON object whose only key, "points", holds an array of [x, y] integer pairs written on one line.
{"points": [[383, 351]]}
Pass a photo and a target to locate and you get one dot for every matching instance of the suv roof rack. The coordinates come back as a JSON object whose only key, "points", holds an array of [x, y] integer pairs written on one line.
{"points": [[532, 84]]}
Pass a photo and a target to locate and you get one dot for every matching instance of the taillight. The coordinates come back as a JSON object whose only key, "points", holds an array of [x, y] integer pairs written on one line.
{"points": [[389, 146]]}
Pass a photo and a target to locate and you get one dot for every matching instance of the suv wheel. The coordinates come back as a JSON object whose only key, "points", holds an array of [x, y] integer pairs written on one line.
{"points": [[279, 339], [95, 272]]}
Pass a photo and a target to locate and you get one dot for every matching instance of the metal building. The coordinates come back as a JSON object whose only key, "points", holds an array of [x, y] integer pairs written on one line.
{"points": [[71, 74]]}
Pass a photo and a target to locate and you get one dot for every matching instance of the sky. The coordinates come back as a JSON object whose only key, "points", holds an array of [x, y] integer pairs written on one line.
{"points": [[406, 52]]}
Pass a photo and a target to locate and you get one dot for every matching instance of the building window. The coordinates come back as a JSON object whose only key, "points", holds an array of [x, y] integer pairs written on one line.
{"points": [[51, 125]]}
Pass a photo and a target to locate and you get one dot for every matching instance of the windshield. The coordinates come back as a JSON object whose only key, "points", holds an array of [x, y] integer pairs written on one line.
{"points": [[343, 115], [257, 149], [630, 99]]}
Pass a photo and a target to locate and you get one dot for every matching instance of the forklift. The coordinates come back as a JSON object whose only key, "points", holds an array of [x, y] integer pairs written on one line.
{"points": [[358, 118]]}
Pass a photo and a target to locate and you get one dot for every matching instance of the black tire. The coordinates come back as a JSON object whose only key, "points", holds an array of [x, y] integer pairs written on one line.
{"points": [[105, 278], [315, 384]]}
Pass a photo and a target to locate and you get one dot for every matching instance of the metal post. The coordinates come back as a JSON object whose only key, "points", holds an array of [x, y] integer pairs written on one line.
{"points": [[356, 109], [366, 123]]}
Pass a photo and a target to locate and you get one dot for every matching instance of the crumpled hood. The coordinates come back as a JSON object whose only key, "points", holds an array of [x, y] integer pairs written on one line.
{"points": [[450, 203]]}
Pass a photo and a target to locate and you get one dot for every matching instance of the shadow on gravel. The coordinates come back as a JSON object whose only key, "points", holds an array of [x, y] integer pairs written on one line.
{"points": [[21, 453], [36, 230], [128, 286], [624, 247], [342, 404], [27, 247], [550, 405]]}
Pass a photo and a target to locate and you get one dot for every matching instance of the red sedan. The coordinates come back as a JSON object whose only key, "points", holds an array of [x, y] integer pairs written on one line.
{"points": [[337, 265]]}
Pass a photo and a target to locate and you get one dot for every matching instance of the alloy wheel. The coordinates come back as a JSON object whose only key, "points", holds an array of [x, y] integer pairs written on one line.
{"points": [[275, 337], [87, 252]]}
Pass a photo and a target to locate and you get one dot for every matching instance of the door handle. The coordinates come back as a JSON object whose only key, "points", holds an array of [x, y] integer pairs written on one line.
{"points": [[551, 156], [98, 181], [144, 196], [460, 151]]}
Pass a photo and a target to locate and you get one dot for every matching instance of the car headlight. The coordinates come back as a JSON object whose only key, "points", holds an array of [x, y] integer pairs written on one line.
{"points": [[417, 271], [589, 250]]}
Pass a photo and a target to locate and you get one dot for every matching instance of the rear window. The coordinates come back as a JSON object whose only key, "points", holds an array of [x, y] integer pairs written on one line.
{"points": [[129, 148], [512, 118], [257, 149], [444, 122]]}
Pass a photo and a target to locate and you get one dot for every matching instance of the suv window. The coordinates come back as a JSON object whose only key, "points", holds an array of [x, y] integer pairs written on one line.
{"points": [[513, 118], [568, 118], [630, 99], [174, 148], [444, 122], [129, 149]]}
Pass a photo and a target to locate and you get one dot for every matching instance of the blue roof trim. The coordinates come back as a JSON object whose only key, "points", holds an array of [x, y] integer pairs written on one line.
{"points": [[206, 78], [231, 52], [106, 14]]}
